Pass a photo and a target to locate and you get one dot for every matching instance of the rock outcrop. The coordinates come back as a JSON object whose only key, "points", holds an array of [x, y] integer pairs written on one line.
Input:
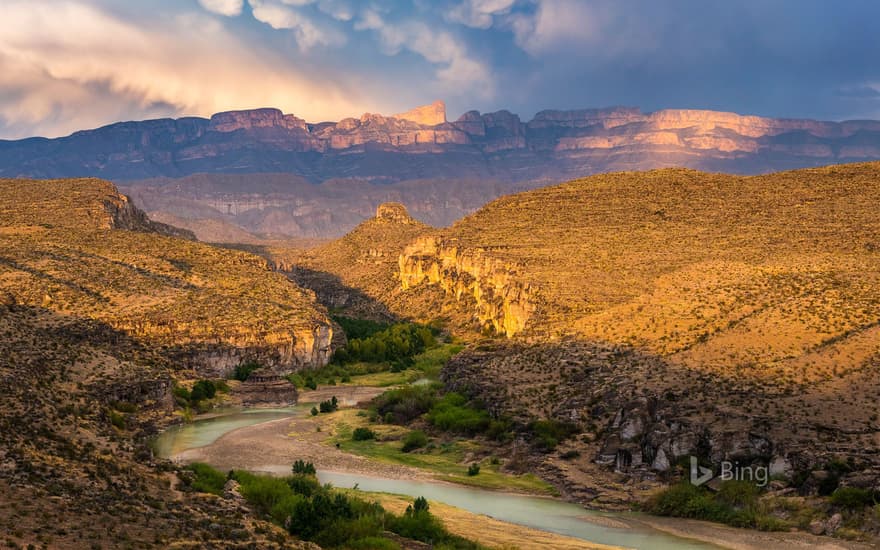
{"points": [[427, 115], [498, 297]]}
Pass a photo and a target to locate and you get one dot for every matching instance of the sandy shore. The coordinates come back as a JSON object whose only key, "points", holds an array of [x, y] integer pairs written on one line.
{"points": [[746, 539], [273, 446], [492, 532]]}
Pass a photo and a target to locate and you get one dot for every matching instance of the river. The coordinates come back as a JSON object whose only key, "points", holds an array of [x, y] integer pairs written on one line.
{"points": [[547, 514]]}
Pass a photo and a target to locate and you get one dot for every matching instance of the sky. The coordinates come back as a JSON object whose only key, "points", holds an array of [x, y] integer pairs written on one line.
{"points": [[75, 64]]}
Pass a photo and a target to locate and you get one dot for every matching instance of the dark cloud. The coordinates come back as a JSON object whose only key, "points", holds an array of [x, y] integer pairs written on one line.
{"points": [[791, 58]]}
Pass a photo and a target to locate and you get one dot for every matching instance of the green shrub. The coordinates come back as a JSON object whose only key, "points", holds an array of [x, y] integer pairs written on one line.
{"points": [[405, 404], [415, 439], [270, 494], [314, 411], [116, 419], [359, 328], [244, 370], [500, 430], [674, 500], [452, 413], [549, 433], [852, 498], [322, 515], [473, 469], [304, 484], [737, 494], [736, 503], [363, 434], [181, 395], [124, 406], [203, 389], [207, 479], [303, 468], [395, 343], [329, 405]]}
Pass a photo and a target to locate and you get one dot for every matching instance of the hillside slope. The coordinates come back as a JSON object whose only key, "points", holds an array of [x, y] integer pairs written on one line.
{"points": [[358, 272], [65, 246], [674, 312], [101, 311]]}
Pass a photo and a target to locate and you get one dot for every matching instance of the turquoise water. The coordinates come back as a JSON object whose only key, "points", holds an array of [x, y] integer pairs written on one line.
{"points": [[546, 514], [205, 431]]}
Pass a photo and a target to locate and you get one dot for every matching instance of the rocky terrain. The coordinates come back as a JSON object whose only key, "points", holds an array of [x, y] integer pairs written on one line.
{"points": [[245, 174], [663, 314], [78, 247], [358, 273], [102, 312]]}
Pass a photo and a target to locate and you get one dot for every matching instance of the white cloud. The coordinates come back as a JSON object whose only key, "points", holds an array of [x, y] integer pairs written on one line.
{"points": [[308, 33], [457, 73], [478, 13], [223, 7], [340, 10], [555, 24], [597, 29], [69, 66]]}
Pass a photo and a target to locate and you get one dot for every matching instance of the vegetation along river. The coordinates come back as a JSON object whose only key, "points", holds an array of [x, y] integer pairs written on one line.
{"points": [[546, 514]]}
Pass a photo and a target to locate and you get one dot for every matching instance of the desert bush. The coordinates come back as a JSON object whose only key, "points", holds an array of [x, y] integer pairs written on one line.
{"points": [[304, 468], [852, 498], [207, 479], [244, 370], [549, 433], [405, 404], [415, 439], [453, 413], [363, 434]]}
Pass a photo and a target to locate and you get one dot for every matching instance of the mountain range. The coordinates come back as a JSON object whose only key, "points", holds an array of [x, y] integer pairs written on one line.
{"points": [[250, 174]]}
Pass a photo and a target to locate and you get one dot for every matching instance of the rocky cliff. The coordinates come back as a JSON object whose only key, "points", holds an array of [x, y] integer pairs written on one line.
{"points": [[554, 144], [495, 291]]}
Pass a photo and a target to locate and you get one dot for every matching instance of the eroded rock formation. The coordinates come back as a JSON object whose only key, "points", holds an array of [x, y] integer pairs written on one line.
{"points": [[501, 301]]}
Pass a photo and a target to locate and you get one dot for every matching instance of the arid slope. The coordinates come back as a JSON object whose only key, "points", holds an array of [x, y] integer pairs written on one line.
{"points": [[79, 248], [675, 312]]}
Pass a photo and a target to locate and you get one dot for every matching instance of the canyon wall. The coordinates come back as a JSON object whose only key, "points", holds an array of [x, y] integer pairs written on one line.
{"points": [[500, 301]]}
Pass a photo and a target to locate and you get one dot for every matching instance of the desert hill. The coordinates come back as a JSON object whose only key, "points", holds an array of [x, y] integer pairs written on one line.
{"points": [[80, 248], [102, 311], [266, 172], [666, 313], [358, 272]]}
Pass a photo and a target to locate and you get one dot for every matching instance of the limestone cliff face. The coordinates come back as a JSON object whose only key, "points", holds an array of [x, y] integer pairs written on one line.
{"points": [[501, 300], [122, 214], [282, 351], [554, 145], [256, 118], [428, 115]]}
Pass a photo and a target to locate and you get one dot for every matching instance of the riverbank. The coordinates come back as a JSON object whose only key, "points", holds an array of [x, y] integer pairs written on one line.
{"points": [[746, 539], [489, 531], [273, 445]]}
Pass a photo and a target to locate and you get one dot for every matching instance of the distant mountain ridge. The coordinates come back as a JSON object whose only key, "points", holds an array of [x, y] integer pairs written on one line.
{"points": [[422, 144], [250, 175]]}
